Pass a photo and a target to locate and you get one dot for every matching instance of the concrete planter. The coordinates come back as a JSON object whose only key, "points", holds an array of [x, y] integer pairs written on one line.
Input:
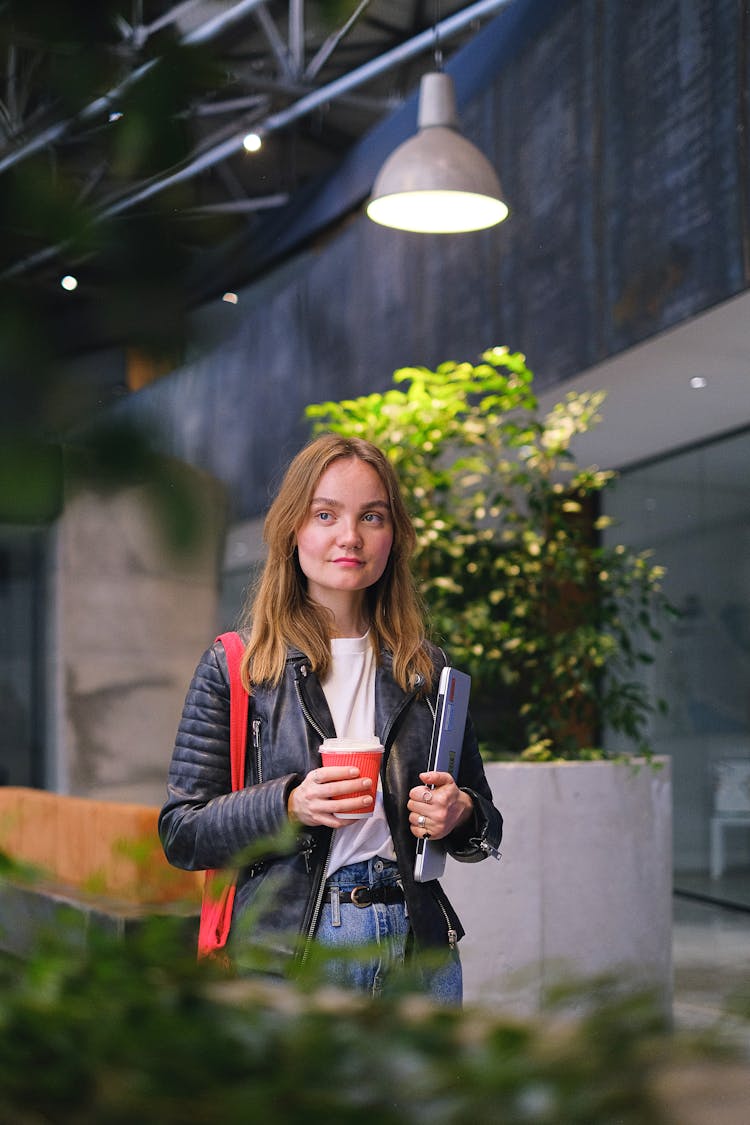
{"points": [[584, 885]]}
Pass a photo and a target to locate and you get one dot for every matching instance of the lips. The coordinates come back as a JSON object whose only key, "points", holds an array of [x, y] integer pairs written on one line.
{"points": [[347, 560]]}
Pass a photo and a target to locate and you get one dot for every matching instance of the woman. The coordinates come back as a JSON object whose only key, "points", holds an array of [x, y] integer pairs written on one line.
{"points": [[336, 648]]}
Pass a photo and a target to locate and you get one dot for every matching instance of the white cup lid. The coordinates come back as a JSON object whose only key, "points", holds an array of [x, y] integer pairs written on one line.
{"points": [[347, 745]]}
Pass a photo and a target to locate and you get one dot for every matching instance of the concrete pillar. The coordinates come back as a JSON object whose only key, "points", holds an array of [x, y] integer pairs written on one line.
{"points": [[132, 617]]}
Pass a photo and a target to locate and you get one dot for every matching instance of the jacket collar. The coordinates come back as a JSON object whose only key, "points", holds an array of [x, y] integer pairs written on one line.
{"points": [[391, 701]]}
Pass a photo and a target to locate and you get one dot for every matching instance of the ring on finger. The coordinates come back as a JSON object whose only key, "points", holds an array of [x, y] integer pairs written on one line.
{"points": [[427, 796], [421, 821]]}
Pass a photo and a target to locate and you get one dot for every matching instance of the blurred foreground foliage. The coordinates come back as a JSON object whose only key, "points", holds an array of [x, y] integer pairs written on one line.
{"points": [[37, 477], [69, 78], [68, 70], [111, 1030], [103, 1023]]}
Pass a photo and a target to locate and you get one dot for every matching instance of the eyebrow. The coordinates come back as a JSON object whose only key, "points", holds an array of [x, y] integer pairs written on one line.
{"points": [[330, 503]]}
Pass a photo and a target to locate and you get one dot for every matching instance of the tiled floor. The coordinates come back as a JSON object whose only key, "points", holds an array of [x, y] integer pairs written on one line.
{"points": [[711, 951]]}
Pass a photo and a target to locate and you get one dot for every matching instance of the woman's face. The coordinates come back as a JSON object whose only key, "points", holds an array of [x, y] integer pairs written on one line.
{"points": [[345, 540]]}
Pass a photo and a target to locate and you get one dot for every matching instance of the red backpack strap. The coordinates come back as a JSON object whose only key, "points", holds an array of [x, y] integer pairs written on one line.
{"points": [[218, 890], [234, 647]]}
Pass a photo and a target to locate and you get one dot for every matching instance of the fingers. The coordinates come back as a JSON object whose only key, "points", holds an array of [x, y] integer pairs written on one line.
{"points": [[436, 806], [328, 791], [436, 779], [426, 817], [436, 792], [424, 827]]}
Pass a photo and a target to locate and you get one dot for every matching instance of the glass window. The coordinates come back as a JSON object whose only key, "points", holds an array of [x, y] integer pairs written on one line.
{"points": [[693, 509]]}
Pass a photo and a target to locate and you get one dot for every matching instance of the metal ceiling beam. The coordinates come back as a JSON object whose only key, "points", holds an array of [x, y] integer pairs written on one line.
{"points": [[292, 90], [214, 27], [199, 35], [230, 105], [145, 31], [222, 151], [275, 40], [306, 104], [332, 42], [297, 35], [240, 206]]}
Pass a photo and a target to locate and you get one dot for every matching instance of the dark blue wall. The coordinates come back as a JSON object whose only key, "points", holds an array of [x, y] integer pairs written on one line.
{"points": [[620, 133]]}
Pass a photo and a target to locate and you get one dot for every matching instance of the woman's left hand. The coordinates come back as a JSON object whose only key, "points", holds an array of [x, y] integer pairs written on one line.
{"points": [[437, 806]]}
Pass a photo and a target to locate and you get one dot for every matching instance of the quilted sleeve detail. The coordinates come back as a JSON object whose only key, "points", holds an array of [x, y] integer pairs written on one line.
{"points": [[203, 824]]}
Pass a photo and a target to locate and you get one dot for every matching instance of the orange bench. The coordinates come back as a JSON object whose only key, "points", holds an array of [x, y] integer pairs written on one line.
{"points": [[100, 851]]}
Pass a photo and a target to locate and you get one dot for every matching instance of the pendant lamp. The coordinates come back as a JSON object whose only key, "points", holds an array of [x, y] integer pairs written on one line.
{"points": [[437, 181]]}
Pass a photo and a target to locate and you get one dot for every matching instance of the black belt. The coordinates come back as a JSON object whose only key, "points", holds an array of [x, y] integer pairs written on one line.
{"points": [[365, 896]]}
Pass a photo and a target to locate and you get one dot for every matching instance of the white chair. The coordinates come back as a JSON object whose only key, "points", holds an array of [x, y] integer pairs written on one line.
{"points": [[731, 807]]}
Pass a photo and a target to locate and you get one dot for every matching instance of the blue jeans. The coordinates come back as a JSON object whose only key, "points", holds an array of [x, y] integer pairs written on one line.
{"points": [[383, 928]]}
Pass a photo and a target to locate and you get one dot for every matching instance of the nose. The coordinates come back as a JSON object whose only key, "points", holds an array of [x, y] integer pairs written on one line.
{"points": [[350, 535]]}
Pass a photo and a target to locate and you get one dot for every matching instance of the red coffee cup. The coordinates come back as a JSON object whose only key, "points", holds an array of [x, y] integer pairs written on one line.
{"points": [[364, 753]]}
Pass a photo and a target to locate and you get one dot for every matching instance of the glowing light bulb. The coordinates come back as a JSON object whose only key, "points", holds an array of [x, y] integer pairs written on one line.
{"points": [[69, 282], [252, 142]]}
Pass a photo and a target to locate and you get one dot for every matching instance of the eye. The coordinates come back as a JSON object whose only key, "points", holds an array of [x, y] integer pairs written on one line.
{"points": [[323, 517], [372, 517]]}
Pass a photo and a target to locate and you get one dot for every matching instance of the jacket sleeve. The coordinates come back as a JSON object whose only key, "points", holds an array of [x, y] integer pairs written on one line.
{"points": [[203, 824], [480, 835]]}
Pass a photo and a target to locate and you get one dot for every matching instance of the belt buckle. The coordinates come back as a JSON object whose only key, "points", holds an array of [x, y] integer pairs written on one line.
{"points": [[356, 901]]}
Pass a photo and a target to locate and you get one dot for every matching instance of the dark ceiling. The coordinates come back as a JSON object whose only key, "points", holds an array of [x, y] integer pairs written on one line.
{"points": [[138, 110]]}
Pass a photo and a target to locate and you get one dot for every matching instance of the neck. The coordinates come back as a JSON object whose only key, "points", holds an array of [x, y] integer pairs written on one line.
{"points": [[356, 628], [348, 618]]}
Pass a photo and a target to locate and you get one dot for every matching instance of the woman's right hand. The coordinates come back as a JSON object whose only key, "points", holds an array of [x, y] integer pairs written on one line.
{"points": [[313, 801]]}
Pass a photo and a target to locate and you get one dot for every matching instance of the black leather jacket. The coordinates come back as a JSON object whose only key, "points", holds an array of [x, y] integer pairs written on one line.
{"points": [[205, 825]]}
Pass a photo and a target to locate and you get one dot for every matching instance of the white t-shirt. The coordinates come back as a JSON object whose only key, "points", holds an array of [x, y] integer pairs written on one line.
{"points": [[349, 689]]}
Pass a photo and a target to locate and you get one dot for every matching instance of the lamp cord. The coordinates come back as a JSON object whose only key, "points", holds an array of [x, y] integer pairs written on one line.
{"points": [[437, 50]]}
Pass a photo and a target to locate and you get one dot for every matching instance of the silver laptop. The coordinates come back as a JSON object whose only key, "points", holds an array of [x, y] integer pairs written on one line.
{"points": [[445, 754]]}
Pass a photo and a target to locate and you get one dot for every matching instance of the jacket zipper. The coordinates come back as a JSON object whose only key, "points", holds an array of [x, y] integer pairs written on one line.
{"points": [[256, 747], [484, 846], [320, 893], [318, 907], [452, 935], [406, 703], [304, 708]]}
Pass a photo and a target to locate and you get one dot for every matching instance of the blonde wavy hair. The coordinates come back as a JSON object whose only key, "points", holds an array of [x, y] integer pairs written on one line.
{"points": [[279, 612]]}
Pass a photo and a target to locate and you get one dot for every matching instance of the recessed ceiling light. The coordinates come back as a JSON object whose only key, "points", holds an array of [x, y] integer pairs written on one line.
{"points": [[698, 382], [69, 282]]}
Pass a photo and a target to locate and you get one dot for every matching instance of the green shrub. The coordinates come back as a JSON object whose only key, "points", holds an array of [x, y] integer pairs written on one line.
{"points": [[521, 590]]}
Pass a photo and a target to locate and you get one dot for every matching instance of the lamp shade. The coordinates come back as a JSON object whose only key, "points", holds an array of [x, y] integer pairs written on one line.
{"points": [[437, 181]]}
